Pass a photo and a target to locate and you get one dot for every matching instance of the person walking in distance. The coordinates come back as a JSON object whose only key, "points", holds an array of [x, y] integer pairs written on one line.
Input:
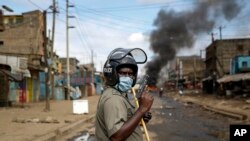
{"points": [[161, 92], [116, 118]]}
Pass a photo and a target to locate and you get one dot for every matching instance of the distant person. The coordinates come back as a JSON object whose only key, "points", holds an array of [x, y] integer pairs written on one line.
{"points": [[116, 118], [161, 92], [181, 89]]}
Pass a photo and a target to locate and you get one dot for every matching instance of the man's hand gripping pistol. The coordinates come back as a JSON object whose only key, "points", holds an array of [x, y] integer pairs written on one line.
{"points": [[147, 116]]}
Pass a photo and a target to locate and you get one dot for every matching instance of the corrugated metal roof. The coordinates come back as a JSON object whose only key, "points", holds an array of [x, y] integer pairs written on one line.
{"points": [[14, 77], [234, 78]]}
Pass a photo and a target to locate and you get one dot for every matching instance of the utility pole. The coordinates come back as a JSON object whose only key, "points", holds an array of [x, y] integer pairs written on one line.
{"points": [[201, 54], [67, 46], [54, 11], [212, 36], [67, 49], [47, 83], [92, 65], [220, 29], [194, 71], [101, 66], [46, 56], [178, 72], [92, 58]]}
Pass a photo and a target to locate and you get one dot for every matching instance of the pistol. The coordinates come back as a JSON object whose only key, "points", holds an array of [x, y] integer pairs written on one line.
{"points": [[142, 86]]}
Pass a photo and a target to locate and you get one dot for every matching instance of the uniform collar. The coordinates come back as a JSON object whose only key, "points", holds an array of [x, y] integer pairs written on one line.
{"points": [[125, 95], [117, 92]]}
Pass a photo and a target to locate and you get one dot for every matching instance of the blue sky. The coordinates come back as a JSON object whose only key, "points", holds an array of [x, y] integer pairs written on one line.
{"points": [[103, 25]]}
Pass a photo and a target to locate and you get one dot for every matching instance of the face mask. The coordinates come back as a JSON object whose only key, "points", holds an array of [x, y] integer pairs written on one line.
{"points": [[125, 83]]}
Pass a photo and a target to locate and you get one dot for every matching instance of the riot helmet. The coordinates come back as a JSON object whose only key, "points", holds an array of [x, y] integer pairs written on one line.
{"points": [[120, 58]]}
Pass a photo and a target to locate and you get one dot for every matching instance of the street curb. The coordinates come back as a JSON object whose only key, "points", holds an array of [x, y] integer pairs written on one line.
{"points": [[226, 112], [51, 136], [229, 113]]}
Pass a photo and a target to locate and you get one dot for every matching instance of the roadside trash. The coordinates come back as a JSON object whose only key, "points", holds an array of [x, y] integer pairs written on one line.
{"points": [[169, 107], [181, 92], [83, 137], [80, 107], [248, 101], [75, 93]]}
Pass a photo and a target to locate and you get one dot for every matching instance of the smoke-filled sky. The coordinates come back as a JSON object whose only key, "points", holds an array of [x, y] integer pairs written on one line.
{"points": [[163, 28], [176, 30]]}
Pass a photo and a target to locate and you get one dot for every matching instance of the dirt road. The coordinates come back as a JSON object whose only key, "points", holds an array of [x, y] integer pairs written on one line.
{"points": [[61, 111], [179, 118]]}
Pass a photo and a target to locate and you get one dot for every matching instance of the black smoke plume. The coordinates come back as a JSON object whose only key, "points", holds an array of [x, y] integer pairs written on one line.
{"points": [[177, 30]]}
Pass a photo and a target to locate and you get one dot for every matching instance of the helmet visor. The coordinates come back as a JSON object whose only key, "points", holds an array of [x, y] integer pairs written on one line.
{"points": [[138, 54]]}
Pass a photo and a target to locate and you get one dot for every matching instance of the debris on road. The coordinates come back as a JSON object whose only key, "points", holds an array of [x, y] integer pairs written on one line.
{"points": [[36, 120]]}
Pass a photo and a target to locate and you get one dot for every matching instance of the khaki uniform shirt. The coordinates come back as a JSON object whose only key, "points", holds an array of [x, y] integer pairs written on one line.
{"points": [[113, 110]]}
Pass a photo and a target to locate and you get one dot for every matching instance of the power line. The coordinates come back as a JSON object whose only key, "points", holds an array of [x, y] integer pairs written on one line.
{"points": [[146, 6], [35, 5], [121, 18], [81, 35], [114, 22], [101, 13]]}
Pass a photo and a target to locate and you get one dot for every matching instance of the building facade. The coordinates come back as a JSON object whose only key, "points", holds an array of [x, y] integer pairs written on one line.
{"points": [[219, 56], [24, 36], [73, 65], [186, 69], [220, 53]]}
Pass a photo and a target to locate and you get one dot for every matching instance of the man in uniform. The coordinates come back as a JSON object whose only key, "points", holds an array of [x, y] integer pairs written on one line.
{"points": [[116, 118]]}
